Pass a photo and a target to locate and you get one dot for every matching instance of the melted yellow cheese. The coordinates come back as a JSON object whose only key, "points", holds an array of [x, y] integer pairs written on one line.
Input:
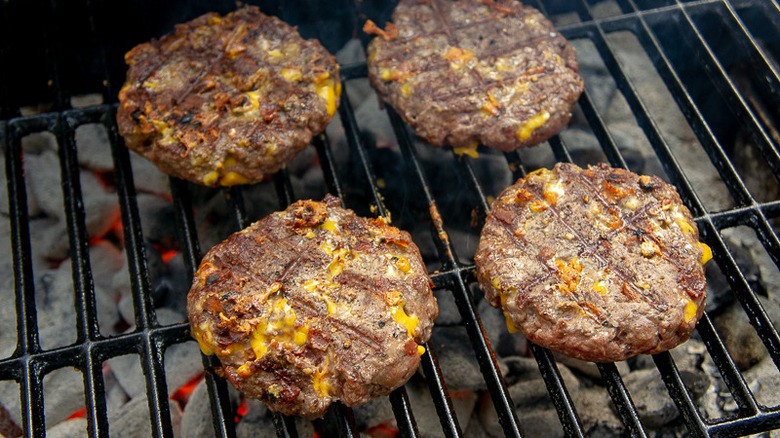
{"points": [[233, 179], [165, 130], [279, 326], [420, 350], [690, 311], [470, 150], [318, 381], [329, 225], [406, 89], [600, 287], [510, 325], [329, 91], [525, 130], [400, 316], [291, 74], [706, 254], [211, 178], [402, 263], [254, 99]]}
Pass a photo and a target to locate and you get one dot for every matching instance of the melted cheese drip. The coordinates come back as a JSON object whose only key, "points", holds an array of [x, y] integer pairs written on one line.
{"points": [[409, 322], [525, 131], [690, 311], [706, 254], [329, 90], [470, 150], [211, 178]]}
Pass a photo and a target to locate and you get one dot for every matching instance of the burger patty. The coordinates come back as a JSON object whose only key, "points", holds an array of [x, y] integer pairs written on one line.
{"points": [[227, 100], [312, 305], [599, 264], [475, 71]]}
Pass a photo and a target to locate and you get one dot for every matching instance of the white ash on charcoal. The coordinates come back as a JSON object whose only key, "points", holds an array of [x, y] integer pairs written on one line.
{"points": [[378, 413], [133, 420], [68, 429], [456, 359], [534, 407], [258, 423], [63, 395], [197, 420], [94, 149], [182, 362], [671, 122]]}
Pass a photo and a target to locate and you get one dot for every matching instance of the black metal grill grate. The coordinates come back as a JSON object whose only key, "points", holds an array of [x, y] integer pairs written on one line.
{"points": [[692, 45]]}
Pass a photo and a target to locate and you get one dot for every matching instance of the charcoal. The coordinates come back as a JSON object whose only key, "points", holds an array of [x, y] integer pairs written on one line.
{"points": [[133, 420]]}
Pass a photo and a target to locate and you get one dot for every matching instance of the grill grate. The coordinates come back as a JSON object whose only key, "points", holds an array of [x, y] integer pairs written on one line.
{"points": [[680, 38]]}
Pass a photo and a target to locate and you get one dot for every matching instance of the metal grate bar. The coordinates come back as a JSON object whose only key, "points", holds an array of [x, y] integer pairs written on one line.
{"points": [[680, 395], [622, 399], [235, 197], [86, 312], [768, 75], [325, 155], [407, 426], [441, 398], [484, 352], [94, 393], [219, 399], [599, 128], [728, 370], [725, 85], [347, 114], [83, 287], [151, 353], [131, 223], [567, 413], [428, 360]]}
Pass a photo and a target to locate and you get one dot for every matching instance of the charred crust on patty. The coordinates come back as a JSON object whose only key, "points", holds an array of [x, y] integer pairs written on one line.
{"points": [[226, 100], [312, 305], [470, 72], [600, 264]]}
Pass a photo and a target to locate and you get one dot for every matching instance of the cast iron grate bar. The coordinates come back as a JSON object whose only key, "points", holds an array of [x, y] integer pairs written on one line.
{"points": [[150, 349], [496, 384], [219, 399], [399, 398], [675, 386], [86, 309], [623, 404]]}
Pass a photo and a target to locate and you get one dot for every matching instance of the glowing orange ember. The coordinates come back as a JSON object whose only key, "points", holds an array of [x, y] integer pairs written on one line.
{"points": [[383, 430], [182, 395]]}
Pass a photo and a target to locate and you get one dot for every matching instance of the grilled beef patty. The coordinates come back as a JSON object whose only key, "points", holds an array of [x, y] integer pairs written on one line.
{"points": [[469, 71], [312, 305], [227, 100], [599, 264]]}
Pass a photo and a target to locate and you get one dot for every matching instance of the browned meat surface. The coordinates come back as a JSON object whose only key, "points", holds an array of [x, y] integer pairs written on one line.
{"points": [[599, 264], [227, 100], [312, 305], [469, 71]]}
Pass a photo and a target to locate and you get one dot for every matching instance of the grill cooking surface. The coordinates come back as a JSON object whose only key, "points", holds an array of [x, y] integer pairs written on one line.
{"points": [[718, 60]]}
